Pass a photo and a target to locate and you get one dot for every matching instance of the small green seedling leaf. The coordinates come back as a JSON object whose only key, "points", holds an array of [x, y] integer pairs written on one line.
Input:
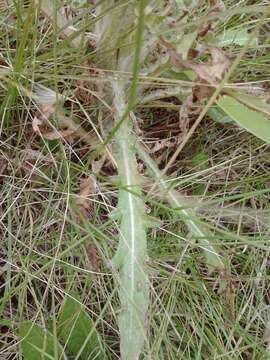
{"points": [[253, 121], [38, 343], [78, 331]]}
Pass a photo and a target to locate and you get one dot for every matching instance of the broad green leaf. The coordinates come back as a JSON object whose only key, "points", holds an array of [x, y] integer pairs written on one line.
{"points": [[200, 162], [253, 121], [218, 115], [130, 259], [253, 102], [39, 344], [78, 331]]}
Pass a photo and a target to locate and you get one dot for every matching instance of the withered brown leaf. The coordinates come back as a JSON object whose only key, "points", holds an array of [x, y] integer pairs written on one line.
{"points": [[94, 260], [40, 127], [201, 92], [210, 72], [88, 186]]}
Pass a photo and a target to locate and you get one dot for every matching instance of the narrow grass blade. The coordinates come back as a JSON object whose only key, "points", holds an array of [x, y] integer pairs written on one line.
{"points": [[38, 344], [253, 121], [213, 259], [78, 331]]}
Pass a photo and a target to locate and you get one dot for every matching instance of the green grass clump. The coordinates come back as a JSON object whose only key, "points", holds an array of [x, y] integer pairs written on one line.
{"points": [[134, 202]]}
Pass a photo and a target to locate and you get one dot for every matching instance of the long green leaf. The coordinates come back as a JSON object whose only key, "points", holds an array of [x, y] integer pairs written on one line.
{"points": [[38, 344], [213, 259], [131, 254], [132, 251], [78, 331], [253, 121], [251, 101]]}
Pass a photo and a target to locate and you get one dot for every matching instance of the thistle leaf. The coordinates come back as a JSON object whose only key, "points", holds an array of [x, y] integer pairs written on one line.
{"points": [[132, 252], [213, 259]]}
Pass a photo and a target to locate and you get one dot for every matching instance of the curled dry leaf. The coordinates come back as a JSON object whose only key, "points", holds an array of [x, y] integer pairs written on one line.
{"points": [[200, 92], [30, 160], [88, 186], [49, 101], [94, 261], [35, 155], [53, 135], [184, 113], [41, 128], [48, 106], [210, 72], [36, 123], [203, 32], [161, 144]]}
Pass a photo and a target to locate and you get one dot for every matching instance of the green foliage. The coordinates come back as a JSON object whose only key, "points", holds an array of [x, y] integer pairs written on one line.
{"points": [[77, 330], [200, 162], [218, 115], [235, 37], [253, 121], [38, 344], [132, 253], [91, 49]]}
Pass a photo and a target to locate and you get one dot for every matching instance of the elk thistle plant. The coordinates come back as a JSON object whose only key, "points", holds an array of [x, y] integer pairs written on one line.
{"points": [[129, 43]]}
